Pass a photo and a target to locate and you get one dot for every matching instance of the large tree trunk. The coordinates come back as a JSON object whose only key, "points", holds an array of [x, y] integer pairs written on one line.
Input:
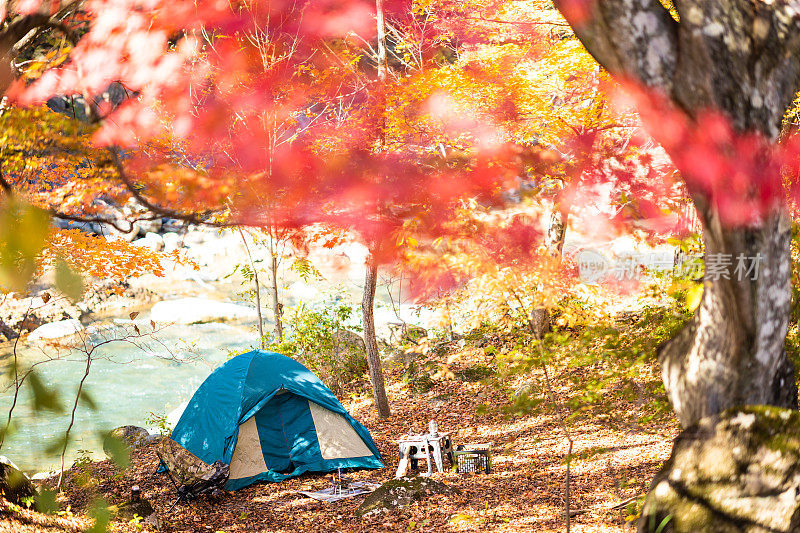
{"points": [[371, 342], [741, 58], [731, 352]]}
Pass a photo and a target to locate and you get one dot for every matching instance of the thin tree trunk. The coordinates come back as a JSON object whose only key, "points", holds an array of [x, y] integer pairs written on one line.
{"points": [[72, 417], [557, 231], [371, 281], [371, 342], [562, 420], [380, 21], [277, 310], [554, 241], [17, 380], [261, 340]]}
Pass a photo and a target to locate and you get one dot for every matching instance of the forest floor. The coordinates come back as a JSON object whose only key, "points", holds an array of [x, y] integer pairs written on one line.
{"points": [[614, 459]]}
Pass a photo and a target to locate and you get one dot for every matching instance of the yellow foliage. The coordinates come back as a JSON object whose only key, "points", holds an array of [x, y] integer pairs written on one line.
{"points": [[99, 258]]}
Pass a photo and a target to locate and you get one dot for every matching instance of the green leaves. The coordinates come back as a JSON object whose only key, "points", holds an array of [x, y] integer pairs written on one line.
{"points": [[57, 445], [46, 501], [68, 281], [24, 233], [323, 339], [42, 397], [102, 516], [24, 230], [305, 269], [87, 400], [117, 449]]}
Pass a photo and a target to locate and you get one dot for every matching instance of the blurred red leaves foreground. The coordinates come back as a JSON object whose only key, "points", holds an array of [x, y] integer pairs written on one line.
{"points": [[271, 113]]}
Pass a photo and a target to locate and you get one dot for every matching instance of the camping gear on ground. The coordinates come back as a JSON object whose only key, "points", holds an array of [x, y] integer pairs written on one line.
{"points": [[431, 446], [341, 488], [270, 419], [190, 476], [472, 458]]}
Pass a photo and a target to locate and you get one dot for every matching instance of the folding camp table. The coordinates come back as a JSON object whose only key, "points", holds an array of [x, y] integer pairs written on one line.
{"points": [[429, 446]]}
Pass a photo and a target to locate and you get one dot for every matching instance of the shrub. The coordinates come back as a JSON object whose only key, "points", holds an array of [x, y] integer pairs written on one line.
{"points": [[319, 338]]}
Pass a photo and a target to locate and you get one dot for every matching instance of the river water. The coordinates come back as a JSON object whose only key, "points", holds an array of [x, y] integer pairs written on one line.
{"points": [[126, 383]]}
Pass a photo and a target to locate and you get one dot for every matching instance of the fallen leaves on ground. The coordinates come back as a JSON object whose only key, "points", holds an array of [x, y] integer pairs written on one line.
{"points": [[524, 491]]}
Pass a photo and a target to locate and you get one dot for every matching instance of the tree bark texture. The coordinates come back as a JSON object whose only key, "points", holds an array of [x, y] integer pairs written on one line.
{"points": [[371, 281], [742, 58], [277, 308], [557, 230], [380, 21], [370, 340], [540, 319]]}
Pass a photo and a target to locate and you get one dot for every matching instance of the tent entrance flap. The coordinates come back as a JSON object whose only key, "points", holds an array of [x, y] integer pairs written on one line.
{"points": [[337, 438], [280, 428], [248, 459]]}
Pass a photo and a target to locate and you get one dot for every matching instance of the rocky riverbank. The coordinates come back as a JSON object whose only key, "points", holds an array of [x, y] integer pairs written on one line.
{"points": [[209, 290]]}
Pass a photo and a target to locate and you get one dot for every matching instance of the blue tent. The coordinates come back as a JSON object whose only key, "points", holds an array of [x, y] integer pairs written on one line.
{"points": [[271, 418]]}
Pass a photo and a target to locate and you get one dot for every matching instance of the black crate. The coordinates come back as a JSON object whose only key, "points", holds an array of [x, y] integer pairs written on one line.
{"points": [[472, 458]]}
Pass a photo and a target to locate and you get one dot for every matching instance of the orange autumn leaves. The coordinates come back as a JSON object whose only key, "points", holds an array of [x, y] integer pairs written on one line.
{"points": [[258, 112]]}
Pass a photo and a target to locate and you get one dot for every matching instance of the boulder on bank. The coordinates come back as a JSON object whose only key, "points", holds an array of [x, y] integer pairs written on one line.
{"points": [[404, 333], [399, 493], [200, 310], [24, 313], [146, 226], [118, 230], [14, 485], [112, 296], [132, 436], [737, 471], [56, 330], [350, 354]]}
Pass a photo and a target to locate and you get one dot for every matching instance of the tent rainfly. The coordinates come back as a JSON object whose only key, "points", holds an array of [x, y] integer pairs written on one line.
{"points": [[271, 418]]}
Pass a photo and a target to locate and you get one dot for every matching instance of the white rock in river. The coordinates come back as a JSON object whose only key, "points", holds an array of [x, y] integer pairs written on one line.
{"points": [[172, 241], [199, 310], [56, 330], [41, 476], [152, 241], [302, 291]]}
